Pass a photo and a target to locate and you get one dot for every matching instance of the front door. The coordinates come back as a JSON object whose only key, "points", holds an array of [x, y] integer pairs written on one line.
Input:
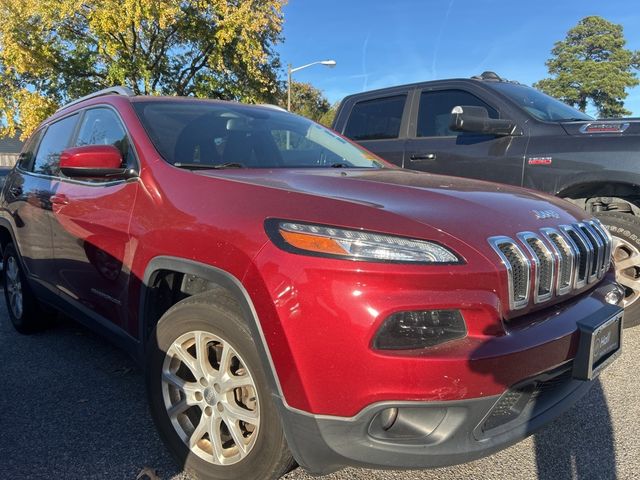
{"points": [[435, 148], [92, 246]]}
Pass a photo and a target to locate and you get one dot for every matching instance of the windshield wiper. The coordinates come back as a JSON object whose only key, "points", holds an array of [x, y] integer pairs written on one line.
{"points": [[204, 166], [339, 165]]}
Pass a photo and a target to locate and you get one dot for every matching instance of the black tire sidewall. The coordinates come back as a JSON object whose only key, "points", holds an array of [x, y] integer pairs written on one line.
{"points": [[265, 461], [30, 320], [627, 227]]}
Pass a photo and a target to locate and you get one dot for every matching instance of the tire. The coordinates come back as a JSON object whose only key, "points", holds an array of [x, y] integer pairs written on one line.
{"points": [[625, 231], [23, 307], [181, 396]]}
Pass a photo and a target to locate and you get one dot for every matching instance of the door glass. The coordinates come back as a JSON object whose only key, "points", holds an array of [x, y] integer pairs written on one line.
{"points": [[376, 119], [55, 140], [25, 160], [101, 126], [434, 115]]}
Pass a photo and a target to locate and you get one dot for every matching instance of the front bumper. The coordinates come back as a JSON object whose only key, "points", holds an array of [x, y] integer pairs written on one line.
{"points": [[419, 434], [431, 434]]}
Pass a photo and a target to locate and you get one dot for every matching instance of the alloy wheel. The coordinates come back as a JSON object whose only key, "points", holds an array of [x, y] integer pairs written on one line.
{"points": [[627, 266], [210, 398], [14, 287]]}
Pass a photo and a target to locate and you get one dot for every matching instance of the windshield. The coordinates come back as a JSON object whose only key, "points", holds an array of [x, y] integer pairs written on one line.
{"points": [[201, 134], [539, 105]]}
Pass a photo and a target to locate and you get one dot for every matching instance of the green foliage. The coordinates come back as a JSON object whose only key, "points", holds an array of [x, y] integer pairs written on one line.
{"points": [[307, 100], [592, 64], [327, 118], [54, 50]]}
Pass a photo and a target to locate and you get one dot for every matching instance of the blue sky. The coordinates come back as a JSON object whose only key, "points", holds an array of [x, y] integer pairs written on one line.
{"points": [[378, 43]]}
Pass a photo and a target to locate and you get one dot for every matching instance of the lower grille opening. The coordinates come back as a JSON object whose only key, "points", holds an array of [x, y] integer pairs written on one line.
{"points": [[532, 397]]}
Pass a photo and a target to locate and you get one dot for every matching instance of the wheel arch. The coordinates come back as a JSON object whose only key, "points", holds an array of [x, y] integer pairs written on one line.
{"points": [[595, 193], [217, 278], [599, 188], [7, 236]]}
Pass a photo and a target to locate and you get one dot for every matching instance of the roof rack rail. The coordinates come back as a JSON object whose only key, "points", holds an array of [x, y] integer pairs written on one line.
{"points": [[125, 91]]}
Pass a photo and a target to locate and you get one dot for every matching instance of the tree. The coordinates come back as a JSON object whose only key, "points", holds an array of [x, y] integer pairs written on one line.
{"points": [[307, 100], [592, 64], [327, 118], [54, 50]]}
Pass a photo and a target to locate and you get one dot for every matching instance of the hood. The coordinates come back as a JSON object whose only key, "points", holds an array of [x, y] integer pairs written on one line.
{"points": [[607, 126], [456, 206]]}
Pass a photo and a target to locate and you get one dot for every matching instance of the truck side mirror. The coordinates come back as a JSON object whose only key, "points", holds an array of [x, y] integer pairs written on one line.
{"points": [[471, 119]]}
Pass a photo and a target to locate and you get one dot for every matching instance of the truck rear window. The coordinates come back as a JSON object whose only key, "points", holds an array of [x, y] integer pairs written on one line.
{"points": [[376, 119]]}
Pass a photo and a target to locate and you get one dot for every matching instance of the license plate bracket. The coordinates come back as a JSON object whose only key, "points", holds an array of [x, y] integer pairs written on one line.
{"points": [[600, 342]]}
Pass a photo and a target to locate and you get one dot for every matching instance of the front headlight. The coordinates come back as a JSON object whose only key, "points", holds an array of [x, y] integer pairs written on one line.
{"points": [[326, 241]]}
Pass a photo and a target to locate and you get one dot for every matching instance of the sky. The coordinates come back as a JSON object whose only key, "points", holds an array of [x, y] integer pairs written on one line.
{"points": [[380, 43]]}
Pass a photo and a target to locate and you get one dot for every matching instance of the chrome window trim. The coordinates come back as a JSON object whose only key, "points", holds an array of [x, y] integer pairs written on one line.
{"points": [[500, 240]]}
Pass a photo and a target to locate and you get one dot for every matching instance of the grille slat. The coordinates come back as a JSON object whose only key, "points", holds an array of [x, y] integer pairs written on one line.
{"points": [[556, 261], [544, 262]]}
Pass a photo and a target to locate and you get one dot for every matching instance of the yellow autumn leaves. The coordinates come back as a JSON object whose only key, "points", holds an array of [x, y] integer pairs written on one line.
{"points": [[53, 51]]}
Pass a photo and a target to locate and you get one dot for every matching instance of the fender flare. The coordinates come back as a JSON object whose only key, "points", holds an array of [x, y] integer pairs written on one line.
{"points": [[232, 285], [606, 177]]}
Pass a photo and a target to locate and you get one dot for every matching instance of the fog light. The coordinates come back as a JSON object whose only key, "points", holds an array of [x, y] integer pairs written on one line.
{"points": [[615, 295], [420, 329], [388, 418]]}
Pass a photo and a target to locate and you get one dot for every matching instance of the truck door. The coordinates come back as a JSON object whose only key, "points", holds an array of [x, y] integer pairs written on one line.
{"points": [[433, 147], [378, 125]]}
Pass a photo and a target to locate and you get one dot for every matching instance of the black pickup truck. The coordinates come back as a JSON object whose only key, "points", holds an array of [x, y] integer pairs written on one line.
{"points": [[492, 129]]}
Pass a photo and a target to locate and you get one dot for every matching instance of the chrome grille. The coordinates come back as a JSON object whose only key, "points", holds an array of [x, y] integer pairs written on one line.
{"points": [[518, 269], [565, 258], [544, 265], [553, 261]]}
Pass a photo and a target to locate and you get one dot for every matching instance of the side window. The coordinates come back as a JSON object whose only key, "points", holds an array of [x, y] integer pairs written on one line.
{"points": [[25, 160], [101, 126], [55, 140], [434, 114], [376, 119]]}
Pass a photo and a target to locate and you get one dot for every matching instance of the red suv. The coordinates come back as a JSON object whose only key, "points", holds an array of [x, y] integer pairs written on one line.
{"points": [[295, 299]]}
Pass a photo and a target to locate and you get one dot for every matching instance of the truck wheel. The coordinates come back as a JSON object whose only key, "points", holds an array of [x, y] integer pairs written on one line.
{"points": [[625, 231], [209, 394], [24, 310]]}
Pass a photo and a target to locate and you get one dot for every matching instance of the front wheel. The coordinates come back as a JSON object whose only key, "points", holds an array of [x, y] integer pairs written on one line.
{"points": [[209, 395], [625, 232]]}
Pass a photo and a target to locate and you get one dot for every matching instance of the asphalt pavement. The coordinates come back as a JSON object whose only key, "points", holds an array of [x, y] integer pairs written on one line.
{"points": [[72, 406]]}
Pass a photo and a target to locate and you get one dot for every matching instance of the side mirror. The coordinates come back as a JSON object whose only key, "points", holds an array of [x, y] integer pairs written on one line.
{"points": [[476, 120], [92, 161]]}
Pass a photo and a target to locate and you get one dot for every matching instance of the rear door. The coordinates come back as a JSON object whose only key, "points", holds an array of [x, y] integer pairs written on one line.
{"points": [[28, 192], [91, 239], [379, 124], [433, 147]]}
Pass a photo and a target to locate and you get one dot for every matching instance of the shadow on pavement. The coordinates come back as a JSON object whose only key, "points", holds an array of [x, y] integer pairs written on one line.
{"points": [[562, 455], [73, 407]]}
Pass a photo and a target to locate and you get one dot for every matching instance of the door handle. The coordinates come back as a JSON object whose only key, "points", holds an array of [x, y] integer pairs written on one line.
{"points": [[59, 199], [418, 157]]}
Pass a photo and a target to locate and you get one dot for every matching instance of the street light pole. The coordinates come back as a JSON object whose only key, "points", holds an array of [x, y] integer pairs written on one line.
{"points": [[289, 88], [290, 70]]}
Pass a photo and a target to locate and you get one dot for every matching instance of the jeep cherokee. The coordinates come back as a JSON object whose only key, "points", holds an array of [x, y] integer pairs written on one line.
{"points": [[296, 300]]}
